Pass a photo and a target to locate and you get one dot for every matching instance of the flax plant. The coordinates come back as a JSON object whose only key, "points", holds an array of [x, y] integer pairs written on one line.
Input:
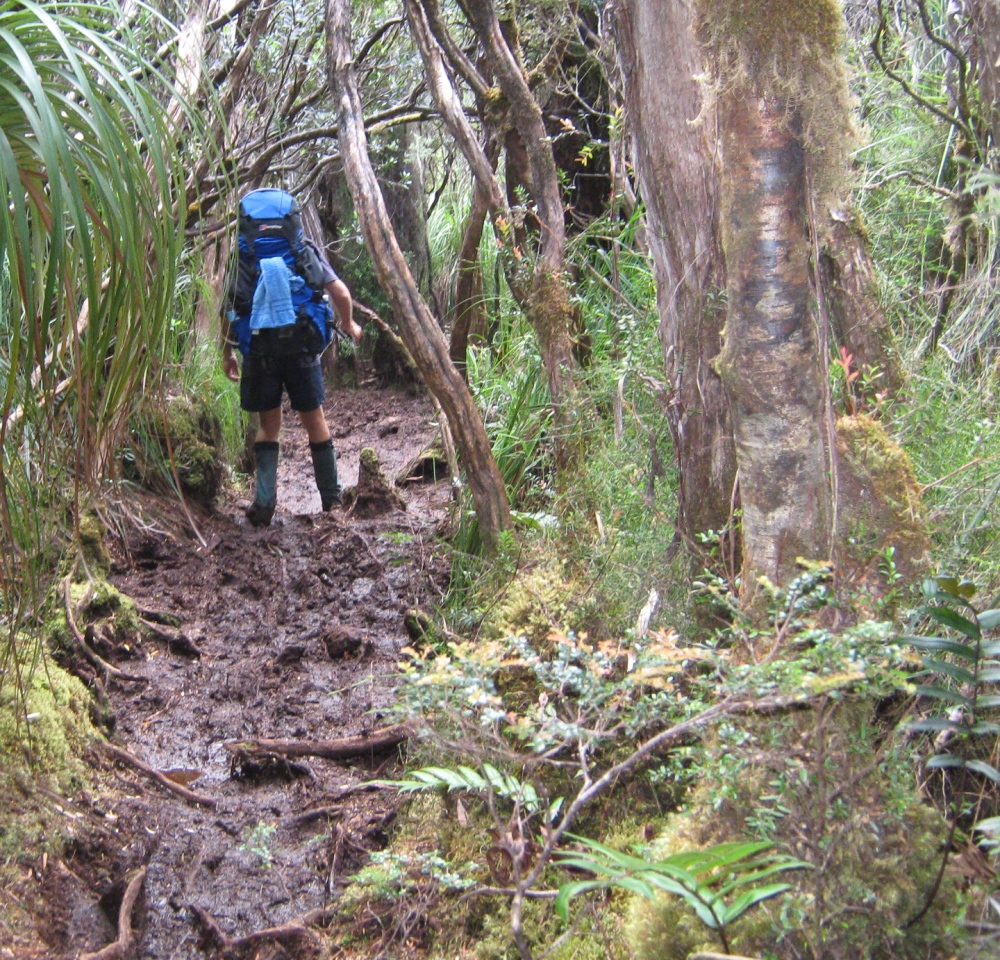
{"points": [[90, 238]]}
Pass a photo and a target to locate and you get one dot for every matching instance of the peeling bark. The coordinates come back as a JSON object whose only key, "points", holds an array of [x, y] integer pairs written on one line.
{"points": [[770, 363], [675, 152]]}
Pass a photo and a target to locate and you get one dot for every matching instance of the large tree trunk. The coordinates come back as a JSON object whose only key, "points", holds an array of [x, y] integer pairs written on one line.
{"points": [[470, 313], [420, 332], [673, 130], [770, 362]]}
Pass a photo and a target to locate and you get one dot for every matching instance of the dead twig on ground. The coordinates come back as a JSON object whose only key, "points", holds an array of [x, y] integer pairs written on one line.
{"points": [[343, 748], [178, 642], [164, 781], [122, 947]]}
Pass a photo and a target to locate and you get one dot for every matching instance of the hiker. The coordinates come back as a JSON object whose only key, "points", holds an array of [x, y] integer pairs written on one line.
{"points": [[279, 320]]}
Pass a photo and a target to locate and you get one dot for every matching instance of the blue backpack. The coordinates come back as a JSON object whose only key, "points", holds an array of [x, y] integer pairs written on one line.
{"points": [[276, 296]]}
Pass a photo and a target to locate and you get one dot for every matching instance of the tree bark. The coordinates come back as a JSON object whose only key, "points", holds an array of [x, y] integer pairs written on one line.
{"points": [[418, 328], [674, 147], [857, 317], [770, 363], [470, 315], [984, 20], [549, 305]]}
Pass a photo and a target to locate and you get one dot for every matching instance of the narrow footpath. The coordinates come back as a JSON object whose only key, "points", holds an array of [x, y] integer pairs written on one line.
{"points": [[286, 633]]}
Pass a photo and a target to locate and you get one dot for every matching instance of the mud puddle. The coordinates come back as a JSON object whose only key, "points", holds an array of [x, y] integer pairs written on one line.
{"points": [[292, 633]]}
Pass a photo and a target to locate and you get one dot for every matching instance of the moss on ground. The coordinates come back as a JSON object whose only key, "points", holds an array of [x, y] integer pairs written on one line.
{"points": [[45, 728], [809, 783]]}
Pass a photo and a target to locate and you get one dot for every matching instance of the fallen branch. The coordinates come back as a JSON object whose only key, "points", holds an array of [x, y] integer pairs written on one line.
{"points": [[158, 616], [164, 781], [344, 748], [122, 947], [320, 813], [293, 935]]}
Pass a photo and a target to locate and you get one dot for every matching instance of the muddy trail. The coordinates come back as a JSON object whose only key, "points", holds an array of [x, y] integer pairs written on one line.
{"points": [[287, 633]]}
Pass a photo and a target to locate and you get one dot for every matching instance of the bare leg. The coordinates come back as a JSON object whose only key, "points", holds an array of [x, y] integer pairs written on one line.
{"points": [[315, 423], [270, 426]]}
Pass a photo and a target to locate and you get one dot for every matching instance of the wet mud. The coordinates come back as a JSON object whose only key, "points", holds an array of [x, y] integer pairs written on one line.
{"points": [[290, 632]]}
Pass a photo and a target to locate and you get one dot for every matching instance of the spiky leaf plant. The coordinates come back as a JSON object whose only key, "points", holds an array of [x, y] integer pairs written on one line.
{"points": [[90, 238]]}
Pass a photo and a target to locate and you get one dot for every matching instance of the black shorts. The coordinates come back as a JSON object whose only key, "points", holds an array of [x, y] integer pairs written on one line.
{"points": [[264, 379]]}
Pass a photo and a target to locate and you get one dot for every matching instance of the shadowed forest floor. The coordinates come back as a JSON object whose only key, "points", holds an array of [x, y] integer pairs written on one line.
{"points": [[289, 632]]}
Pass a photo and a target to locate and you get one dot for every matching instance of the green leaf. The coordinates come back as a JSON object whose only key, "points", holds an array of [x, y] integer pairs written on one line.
{"points": [[953, 670], [985, 727], [758, 875], [990, 675], [949, 618], [987, 703], [570, 890], [989, 619], [945, 761], [943, 693], [751, 898], [934, 724], [942, 645], [636, 885], [984, 768], [990, 825]]}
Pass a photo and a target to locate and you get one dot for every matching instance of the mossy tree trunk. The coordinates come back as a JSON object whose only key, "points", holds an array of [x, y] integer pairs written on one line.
{"points": [[770, 363], [670, 120], [419, 330], [549, 306]]}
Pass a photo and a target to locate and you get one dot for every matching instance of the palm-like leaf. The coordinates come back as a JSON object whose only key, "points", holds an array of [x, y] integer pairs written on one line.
{"points": [[89, 246]]}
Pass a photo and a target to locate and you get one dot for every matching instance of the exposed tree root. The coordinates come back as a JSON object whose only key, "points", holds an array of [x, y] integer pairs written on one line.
{"points": [[294, 936], [81, 646], [344, 748], [122, 947], [164, 781]]}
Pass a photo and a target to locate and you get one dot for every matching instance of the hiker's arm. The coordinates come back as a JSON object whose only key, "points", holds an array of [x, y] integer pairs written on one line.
{"points": [[340, 297], [229, 363]]}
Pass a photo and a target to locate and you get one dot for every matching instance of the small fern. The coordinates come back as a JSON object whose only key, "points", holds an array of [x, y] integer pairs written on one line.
{"points": [[488, 780]]}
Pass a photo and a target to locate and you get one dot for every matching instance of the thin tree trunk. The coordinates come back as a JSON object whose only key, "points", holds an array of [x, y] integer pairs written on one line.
{"points": [[770, 363], [674, 135], [549, 305], [470, 314], [857, 316], [984, 19], [418, 328]]}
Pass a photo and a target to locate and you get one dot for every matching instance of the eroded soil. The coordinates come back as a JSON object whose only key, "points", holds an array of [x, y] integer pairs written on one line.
{"points": [[288, 632]]}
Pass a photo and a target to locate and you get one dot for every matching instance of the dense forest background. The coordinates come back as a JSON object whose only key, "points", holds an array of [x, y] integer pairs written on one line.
{"points": [[706, 298]]}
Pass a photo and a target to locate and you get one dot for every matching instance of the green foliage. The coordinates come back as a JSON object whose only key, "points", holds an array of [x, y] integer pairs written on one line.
{"points": [[91, 237], [258, 842], [490, 782], [967, 665], [704, 879]]}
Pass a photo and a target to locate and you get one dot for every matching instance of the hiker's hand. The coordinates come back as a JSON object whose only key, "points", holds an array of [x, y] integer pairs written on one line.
{"points": [[231, 368], [352, 330]]}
